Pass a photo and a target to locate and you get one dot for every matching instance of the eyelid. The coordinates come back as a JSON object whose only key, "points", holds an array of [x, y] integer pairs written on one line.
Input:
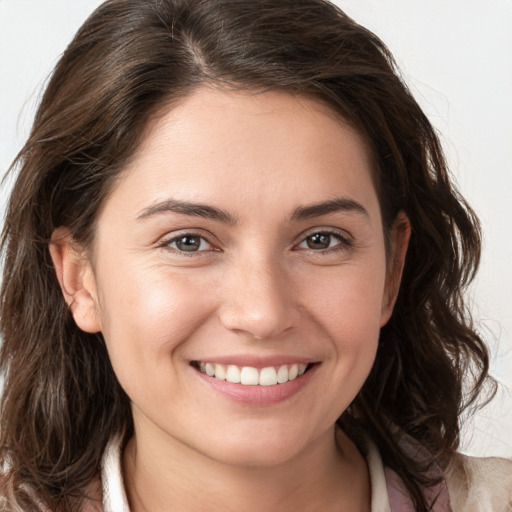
{"points": [[166, 240], [346, 239]]}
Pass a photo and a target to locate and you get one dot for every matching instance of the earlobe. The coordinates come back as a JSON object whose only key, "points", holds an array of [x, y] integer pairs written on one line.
{"points": [[399, 242], [76, 280]]}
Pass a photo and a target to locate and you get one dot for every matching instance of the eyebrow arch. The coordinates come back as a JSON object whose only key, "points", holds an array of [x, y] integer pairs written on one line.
{"points": [[338, 204], [186, 208]]}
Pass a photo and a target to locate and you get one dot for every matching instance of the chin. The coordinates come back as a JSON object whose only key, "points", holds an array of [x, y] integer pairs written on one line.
{"points": [[253, 458], [259, 448]]}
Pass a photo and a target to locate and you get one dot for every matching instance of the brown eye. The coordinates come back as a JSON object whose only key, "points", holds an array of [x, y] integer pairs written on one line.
{"points": [[325, 241], [319, 241], [189, 243]]}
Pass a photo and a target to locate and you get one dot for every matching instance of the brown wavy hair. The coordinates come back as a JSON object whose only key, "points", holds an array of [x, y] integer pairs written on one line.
{"points": [[62, 402]]}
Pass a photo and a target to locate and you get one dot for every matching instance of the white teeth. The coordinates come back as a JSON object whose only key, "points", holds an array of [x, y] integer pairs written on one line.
{"points": [[268, 376], [282, 374], [210, 370], [249, 376], [233, 374], [220, 372]]}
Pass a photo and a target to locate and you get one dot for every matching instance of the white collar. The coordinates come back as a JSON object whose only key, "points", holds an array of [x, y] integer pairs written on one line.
{"points": [[114, 494]]}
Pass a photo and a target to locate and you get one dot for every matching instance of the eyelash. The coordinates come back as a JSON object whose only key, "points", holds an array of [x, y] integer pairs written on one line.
{"points": [[166, 243], [344, 243]]}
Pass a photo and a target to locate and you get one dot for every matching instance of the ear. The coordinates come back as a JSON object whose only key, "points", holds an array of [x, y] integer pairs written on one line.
{"points": [[399, 241], [76, 279]]}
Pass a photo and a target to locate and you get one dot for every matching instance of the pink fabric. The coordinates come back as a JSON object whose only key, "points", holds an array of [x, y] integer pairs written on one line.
{"points": [[400, 501], [399, 498]]}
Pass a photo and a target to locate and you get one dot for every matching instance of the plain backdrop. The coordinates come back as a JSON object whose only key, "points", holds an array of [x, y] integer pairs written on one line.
{"points": [[456, 55]]}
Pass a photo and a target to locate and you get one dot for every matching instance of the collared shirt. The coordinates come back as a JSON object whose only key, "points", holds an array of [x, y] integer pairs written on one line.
{"points": [[472, 485], [386, 487]]}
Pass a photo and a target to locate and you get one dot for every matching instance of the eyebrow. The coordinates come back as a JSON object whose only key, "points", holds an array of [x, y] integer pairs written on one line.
{"points": [[210, 212], [186, 208], [343, 204]]}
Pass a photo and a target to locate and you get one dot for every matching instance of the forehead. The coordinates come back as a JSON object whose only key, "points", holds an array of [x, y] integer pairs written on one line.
{"points": [[214, 144]]}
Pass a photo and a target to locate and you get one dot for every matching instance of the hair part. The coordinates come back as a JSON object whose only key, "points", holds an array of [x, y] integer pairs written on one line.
{"points": [[62, 401]]}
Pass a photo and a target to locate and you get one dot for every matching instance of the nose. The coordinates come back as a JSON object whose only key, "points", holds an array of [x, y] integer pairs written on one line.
{"points": [[257, 300]]}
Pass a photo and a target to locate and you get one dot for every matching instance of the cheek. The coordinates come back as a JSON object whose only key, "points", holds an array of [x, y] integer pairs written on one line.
{"points": [[146, 315], [347, 307], [348, 301]]}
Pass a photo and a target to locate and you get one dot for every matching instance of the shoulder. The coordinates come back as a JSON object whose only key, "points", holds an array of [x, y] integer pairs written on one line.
{"points": [[480, 484]]}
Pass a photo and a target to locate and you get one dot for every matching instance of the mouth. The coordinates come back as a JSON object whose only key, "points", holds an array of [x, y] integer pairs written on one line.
{"points": [[252, 376]]}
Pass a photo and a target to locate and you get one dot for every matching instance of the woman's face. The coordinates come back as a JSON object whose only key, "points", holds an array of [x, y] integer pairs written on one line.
{"points": [[245, 239]]}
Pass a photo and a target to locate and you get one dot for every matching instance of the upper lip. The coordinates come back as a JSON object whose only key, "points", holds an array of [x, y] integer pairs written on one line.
{"points": [[255, 361]]}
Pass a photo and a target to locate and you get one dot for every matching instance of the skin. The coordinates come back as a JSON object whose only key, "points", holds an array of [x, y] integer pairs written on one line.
{"points": [[255, 288]]}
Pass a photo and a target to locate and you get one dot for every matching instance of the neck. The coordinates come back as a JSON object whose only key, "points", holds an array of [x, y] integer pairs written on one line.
{"points": [[331, 475]]}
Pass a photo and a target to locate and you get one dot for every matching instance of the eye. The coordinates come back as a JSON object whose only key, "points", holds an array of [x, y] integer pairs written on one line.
{"points": [[189, 242], [323, 240]]}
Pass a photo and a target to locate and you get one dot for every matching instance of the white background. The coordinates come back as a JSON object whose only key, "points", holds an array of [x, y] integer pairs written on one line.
{"points": [[456, 55]]}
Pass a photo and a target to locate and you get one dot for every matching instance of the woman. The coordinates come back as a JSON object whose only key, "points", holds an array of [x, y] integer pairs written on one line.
{"points": [[234, 266]]}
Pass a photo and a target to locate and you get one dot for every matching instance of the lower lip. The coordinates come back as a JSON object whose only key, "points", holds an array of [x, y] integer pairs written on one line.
{"points": [[258, 395]]}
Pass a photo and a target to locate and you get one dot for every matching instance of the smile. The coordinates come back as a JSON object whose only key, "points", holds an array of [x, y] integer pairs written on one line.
{"points": [[250, 376]]}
